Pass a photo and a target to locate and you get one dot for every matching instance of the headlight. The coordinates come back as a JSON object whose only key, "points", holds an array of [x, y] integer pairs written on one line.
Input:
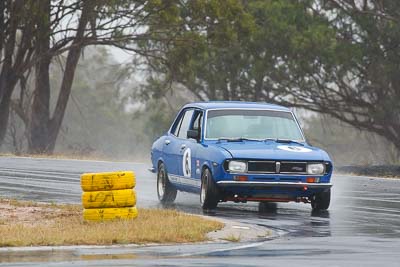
{"points": [[316, 168], [237, 166]]}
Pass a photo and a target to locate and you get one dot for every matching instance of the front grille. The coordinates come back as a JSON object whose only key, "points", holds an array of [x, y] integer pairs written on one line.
{"points": [[261, 166], [293, 167], [277, 167]]}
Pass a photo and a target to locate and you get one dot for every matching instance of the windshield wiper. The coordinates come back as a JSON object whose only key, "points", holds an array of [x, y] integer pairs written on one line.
{"points": [[238, 139], [241, 139], [270, 139], [285, 141]]}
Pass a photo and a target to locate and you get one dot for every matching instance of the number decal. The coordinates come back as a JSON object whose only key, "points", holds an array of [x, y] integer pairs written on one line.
{"points": [[295, 149]]}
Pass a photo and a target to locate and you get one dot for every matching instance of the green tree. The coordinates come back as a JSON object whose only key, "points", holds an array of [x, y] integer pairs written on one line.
{"points": [[245, 50], [17, 29], [102, 119], [212, 66], [37, 33], [357, 81], [96, 122], [334, 57]]}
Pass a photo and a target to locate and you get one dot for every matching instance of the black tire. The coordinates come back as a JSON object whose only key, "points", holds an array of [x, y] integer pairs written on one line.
{"points": [[209, 194], [267, 207], [321, 200], [166, 192]]}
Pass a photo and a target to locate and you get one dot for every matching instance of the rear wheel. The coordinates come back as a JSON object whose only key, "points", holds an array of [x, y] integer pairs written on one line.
{"points": [[165, 190], [209, 195], [321, 200]]}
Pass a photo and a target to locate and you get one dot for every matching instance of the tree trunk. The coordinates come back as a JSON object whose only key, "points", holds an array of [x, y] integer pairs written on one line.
{"points": [[4, 114], [2, 24], [7, 75], [69, 73], [7, 85], [43, 130], [39, 115], [40, 109]]}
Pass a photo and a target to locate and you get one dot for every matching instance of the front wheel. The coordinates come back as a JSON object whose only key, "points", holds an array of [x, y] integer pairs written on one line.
{"points": [[321, 200], [165, 190], [209, 195], [267, 207]]}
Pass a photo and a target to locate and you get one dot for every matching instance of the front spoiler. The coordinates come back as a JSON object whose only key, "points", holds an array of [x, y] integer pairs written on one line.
{"points": [[274, 184]]}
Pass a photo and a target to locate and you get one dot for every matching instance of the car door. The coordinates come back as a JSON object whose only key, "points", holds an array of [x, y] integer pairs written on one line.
{"points": [[188, 162], [173, 144]]}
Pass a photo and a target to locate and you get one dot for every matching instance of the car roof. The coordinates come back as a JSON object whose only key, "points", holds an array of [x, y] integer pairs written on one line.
{"points": [[235, 105]]}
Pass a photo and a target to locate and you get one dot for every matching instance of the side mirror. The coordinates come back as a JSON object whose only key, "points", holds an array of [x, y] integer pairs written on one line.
{"points": [[194, 134]]}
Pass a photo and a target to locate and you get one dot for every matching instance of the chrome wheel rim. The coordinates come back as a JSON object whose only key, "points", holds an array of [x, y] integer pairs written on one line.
{"points": [[161, 183], [203, 191]]}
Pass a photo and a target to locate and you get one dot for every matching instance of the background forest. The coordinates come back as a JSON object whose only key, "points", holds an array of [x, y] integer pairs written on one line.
{"points": [[102, 79]]}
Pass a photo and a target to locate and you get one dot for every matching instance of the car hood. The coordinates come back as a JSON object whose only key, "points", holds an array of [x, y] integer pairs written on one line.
{"points": [[273, 151]]}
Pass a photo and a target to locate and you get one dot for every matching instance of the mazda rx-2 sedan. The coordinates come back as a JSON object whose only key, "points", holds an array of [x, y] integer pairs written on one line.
{"points": [[239, 151]]}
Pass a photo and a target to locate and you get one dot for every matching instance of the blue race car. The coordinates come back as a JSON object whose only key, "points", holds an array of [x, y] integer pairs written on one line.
{"points": [[239, 151]]}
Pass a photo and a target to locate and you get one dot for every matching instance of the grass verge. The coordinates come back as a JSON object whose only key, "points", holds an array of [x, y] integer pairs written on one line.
{"points": [[34, 224]]}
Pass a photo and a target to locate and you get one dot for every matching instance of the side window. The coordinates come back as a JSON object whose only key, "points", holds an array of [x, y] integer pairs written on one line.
{"points": [[184, 126], [177, 125], [198, 120]]}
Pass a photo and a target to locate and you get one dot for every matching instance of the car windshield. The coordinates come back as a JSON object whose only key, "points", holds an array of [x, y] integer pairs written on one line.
{"points": [[252, 124]]}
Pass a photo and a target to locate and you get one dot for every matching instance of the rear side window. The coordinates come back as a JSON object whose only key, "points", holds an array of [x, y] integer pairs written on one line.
{"points": [[176, 126], [184, 125]]}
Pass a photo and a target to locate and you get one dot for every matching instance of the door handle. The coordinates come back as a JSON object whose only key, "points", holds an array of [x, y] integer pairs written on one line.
{"points": [[167, 142], [183, 147]]}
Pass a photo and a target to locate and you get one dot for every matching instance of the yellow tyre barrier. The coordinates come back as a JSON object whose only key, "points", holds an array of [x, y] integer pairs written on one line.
{"points": [[109, 199], [109, 214], [107, 181]]}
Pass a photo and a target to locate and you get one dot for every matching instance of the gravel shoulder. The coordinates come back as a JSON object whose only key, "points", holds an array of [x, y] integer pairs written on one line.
{"points": [[385, 171]]}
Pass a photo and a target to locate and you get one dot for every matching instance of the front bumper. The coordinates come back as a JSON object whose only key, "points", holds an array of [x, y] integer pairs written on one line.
{"points": [[267, 185]]}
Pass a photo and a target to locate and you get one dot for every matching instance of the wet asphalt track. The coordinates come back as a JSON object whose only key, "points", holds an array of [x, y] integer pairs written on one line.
{"points": [[362, 227]]}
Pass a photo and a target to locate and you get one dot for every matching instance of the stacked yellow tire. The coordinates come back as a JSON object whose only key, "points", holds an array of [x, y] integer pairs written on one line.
{"points": [[108, 196]]}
